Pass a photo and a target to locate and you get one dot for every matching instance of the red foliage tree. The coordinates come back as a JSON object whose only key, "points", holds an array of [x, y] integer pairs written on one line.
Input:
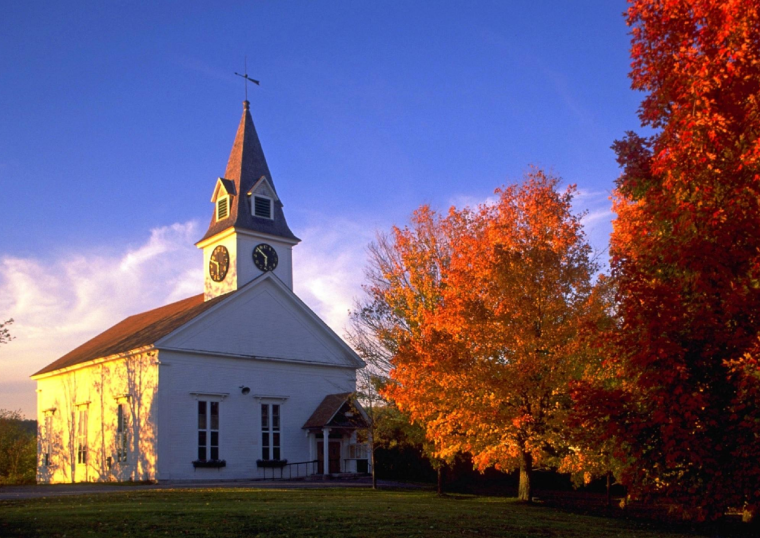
{"points": [[686, 259]]}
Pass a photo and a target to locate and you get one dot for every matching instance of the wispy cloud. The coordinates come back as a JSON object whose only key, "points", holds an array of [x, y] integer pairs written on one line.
{"points": [[597, 221], [596, 197], [199, 66], [328, 268], [528, 60], [59, 304], [603, 216]]}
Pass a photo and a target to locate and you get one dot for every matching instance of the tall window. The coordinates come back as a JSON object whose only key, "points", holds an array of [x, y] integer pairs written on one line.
{"points": [[270, 431], [82, 435], [47, 439], [208, 431], [121, 433]]}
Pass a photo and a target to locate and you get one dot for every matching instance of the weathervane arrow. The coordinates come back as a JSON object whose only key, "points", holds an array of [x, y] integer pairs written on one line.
{"points": [[256, 82]]}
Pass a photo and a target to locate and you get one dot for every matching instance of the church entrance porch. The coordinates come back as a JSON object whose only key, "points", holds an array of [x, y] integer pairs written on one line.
{"points": [[332, 431]]}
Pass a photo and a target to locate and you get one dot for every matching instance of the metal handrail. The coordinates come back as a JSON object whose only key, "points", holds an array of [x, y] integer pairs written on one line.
{"points": [[289, 466]]}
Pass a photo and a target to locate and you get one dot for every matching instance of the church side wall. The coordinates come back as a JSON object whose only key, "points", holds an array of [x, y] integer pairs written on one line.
{"points": [[70, 453], [188, 378]]}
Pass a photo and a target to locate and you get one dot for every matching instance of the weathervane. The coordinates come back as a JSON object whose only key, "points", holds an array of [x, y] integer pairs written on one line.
{"points": [[247, 78]]}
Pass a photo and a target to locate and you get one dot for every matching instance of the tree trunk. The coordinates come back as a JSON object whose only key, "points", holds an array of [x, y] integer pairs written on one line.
{"points": [[524, 492], [609, 489], [372, 459], [440, 479], [748, 516]]}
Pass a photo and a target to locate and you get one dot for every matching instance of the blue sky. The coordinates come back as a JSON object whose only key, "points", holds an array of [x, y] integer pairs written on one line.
{"points": [[117, 117]]}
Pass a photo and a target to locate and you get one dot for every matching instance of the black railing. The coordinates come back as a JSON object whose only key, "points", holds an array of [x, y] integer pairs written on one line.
{"points": [[286, 472]]}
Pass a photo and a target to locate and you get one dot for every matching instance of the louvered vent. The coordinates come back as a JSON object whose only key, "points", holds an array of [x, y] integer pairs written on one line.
{"points": [[222, 208], [262, 207]]}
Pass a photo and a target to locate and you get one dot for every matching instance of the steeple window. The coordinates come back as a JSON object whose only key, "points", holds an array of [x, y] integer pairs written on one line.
{"points": [[262, 207], [222, 208]]}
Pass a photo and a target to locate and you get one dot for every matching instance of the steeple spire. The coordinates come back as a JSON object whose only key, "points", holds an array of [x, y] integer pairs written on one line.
{"points": [[247, 162], [245, 168]]}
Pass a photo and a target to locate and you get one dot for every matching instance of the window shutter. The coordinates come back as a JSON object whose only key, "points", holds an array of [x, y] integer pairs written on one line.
{"points": [[222, 208], [262, 207]]}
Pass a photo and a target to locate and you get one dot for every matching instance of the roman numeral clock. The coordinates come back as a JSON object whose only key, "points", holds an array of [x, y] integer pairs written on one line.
{"points": [[265, 257], [219, 263]]}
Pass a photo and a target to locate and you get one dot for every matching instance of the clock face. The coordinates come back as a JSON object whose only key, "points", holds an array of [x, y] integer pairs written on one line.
{"points": [[218, 264], [265, 257]]}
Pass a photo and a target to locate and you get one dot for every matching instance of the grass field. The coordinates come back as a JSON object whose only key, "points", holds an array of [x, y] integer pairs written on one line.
{"points": [[321, 512]]}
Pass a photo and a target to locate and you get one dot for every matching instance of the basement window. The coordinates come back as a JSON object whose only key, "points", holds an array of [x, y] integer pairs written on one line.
{"points": [[262, 207], [222, 208]]}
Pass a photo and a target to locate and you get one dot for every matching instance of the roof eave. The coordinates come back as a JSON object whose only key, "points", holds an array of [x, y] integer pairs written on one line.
{"points": [[207, 240], [93, 362]]}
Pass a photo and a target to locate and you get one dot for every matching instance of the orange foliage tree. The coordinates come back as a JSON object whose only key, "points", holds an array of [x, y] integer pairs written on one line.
{"points": [[686, 259], [482, 310]]}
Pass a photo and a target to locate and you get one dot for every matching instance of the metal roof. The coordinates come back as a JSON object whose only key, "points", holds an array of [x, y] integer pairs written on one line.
{"points": [[135, 332]]}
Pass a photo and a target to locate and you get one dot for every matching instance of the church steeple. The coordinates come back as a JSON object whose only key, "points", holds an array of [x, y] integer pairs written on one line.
{"points": [[246, 158], [248, 234], [246, 168]]}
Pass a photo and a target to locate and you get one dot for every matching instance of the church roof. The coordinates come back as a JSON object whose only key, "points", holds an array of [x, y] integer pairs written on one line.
{"points": [[245, 167], [135, 332]]}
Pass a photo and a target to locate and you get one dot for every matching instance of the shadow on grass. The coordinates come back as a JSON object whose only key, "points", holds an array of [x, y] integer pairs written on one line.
{"points": [[313, 512]]}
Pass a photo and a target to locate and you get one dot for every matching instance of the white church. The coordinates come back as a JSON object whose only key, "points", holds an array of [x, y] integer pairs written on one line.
{"points": [[242, 381]]}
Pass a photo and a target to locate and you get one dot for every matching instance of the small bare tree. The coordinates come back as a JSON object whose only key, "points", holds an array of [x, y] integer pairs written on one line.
{"points": [[370, 378], [372, 333], [5, 335]]}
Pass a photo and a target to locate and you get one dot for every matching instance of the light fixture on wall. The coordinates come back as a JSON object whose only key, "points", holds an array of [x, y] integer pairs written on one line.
{"points": [[244, 390]]}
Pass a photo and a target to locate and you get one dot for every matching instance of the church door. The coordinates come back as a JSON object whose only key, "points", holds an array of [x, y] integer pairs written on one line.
{"points": [[333, 450]]}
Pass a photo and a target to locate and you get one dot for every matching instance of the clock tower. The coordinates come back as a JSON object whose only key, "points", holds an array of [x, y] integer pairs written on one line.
{"points": [[248, 234]]}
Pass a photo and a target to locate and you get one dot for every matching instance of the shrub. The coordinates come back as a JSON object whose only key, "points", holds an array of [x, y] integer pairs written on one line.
{"points": [[18, 449]]}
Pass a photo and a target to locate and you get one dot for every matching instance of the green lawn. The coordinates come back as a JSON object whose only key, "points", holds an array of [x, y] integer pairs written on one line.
{"points": [[322, 512]]}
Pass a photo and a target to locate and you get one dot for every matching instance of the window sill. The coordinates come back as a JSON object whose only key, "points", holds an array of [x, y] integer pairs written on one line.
{"points": [[209, 464], [271, 463]]}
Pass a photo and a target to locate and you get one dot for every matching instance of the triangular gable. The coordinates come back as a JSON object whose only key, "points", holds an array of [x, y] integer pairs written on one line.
{"points": [[263, 320], [338, 411], [223, 187], [264, 187]]}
